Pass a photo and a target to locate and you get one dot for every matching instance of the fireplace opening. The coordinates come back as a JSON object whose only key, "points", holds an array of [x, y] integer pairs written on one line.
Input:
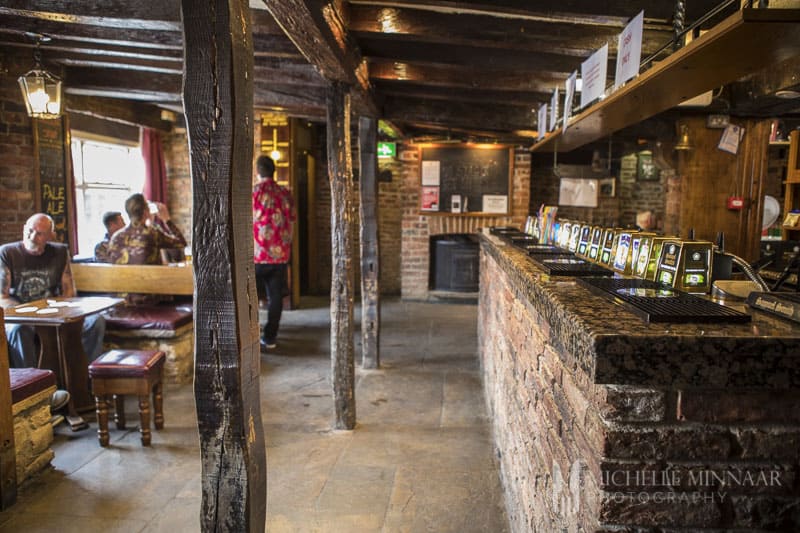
{"points": [[454, 262]]}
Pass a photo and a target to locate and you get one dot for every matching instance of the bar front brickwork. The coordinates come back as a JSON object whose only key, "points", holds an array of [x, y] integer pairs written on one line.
{"points": [[708, 449]]}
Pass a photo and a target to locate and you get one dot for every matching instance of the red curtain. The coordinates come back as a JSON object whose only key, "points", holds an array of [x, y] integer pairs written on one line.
{"points": [[155, 181]]}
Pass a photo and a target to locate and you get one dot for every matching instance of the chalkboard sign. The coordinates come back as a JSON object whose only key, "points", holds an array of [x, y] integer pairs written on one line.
{"points": [[471, 173], [52, 194]]}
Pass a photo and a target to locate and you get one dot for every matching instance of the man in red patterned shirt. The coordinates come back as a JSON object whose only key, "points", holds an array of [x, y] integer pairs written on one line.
{"points": [[273, 214]]}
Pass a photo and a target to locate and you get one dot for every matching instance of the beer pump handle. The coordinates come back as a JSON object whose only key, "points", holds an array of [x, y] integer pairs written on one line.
{"points": [[721, 241], [691, 234]]}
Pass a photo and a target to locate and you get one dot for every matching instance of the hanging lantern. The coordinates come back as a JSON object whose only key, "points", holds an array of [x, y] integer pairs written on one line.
{"points": [[40, 89], [42, 94]]}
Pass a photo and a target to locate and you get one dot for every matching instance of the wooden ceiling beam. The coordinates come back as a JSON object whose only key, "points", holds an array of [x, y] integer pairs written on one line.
{"points": [[318, 31], [460, 114], [463, 78], [131, 113], [128, 15], [413, 90]]}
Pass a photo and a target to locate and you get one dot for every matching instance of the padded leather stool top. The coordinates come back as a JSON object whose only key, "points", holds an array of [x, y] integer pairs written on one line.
{"points": [[126, 364], [161, 316], [25, 382]]}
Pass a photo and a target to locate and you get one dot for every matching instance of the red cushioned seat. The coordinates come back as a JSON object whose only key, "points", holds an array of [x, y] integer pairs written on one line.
{"points": [[25, 382], [126, 364], [162, 316]]}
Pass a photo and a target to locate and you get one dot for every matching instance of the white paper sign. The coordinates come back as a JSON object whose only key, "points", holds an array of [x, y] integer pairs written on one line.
{"points": [[593, 75], [553, 110], [569, 94], [730, 138], [430, 173], [541, 124], [629, 51], [495, 203], [578, 192]]}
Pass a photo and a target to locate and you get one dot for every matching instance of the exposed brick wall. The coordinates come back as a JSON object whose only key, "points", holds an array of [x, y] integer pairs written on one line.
{"points": [[578, 456], [17, 163], [417, 227], [179, 177]]}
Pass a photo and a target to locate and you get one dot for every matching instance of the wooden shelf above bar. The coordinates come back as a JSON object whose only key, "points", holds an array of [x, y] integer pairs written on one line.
{"points": [[745, 42]]}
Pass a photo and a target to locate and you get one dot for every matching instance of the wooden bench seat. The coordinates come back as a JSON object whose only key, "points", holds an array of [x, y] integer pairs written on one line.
{"points": [[165, 327]]}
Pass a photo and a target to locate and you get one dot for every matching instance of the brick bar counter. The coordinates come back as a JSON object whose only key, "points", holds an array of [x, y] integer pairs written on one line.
{"points": [[604, 423]]}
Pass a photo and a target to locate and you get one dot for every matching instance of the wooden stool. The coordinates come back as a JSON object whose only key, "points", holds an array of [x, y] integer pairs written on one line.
{"points": [[121, 372]]}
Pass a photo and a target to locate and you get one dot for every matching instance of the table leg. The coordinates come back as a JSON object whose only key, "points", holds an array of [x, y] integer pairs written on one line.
{"points": [[62, 352]]}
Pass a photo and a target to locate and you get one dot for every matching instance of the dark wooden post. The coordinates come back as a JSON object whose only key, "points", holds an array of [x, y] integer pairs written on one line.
{"points": [[370, 293], [8, 458], [218, 103], [341, 176]]}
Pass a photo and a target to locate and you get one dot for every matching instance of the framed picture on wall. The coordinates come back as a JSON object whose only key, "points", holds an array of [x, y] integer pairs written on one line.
{"points": [[646, 168]]}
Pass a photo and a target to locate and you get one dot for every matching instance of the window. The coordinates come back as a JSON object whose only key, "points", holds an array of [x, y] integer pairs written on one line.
{"points": [[106, 174]]}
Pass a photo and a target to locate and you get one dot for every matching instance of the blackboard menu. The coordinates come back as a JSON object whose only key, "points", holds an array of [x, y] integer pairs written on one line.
{"points": [[52, 193], [478, 175]]}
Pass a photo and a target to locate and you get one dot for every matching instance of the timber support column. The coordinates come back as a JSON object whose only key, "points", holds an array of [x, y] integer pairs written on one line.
{"points": [[218, 103], [370, 271], [341, 176]]}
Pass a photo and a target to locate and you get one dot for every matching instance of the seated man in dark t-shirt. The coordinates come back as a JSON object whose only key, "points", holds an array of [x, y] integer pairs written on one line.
{"points": [[36, 268]]}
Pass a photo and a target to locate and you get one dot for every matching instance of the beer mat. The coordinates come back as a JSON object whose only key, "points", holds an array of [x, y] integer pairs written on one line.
{"points": [[26, 309], [46, 311], [53, 303]]}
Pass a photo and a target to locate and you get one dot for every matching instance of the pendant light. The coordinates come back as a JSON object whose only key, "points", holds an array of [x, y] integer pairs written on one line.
{"points": [[41, 90]]}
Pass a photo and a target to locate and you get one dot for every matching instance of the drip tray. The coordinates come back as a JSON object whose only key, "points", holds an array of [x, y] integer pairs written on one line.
{"points": [[566, 264], [504, 231], [653, 302]]}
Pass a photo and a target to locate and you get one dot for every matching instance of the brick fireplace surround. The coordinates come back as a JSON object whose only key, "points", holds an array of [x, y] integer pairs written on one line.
{"points": [[418, 227]]}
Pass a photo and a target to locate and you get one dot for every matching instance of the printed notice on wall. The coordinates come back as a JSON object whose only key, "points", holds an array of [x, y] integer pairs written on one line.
{"points": [[731, 136], [553, 110], [429, 198], [629, 52], [593, 76], [431, 173], [495, 203], [541, 123]]}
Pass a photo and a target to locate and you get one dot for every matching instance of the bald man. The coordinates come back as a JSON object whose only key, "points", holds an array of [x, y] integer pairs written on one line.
{"points": [[35, 268]]}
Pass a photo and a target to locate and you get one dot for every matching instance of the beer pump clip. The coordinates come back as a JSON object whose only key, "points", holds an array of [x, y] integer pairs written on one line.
{"points": [[685, 265], [594, 243]]}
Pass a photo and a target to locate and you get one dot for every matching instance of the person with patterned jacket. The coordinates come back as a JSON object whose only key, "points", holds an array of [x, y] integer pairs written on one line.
{"points": [[273, 215]]}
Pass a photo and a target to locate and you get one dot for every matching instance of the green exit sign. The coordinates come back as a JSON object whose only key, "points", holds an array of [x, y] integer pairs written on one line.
{"points": [[386, 149]]}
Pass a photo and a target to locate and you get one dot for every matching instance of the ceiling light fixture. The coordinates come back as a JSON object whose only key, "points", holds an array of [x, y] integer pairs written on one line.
{"points": [[40, 89]]}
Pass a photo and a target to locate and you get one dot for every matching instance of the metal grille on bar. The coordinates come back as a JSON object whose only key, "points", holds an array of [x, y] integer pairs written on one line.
{"points": [[568, 265], [545, 249], [654, 302]]}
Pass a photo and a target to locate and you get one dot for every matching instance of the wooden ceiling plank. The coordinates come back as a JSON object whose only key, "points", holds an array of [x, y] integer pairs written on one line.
{"points": [[608, 11], [490, 32], [413, 90], [121, 37], [91, 20]]}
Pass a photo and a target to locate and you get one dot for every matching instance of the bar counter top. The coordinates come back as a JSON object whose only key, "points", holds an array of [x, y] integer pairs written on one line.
{"points": [[614, 346]]}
